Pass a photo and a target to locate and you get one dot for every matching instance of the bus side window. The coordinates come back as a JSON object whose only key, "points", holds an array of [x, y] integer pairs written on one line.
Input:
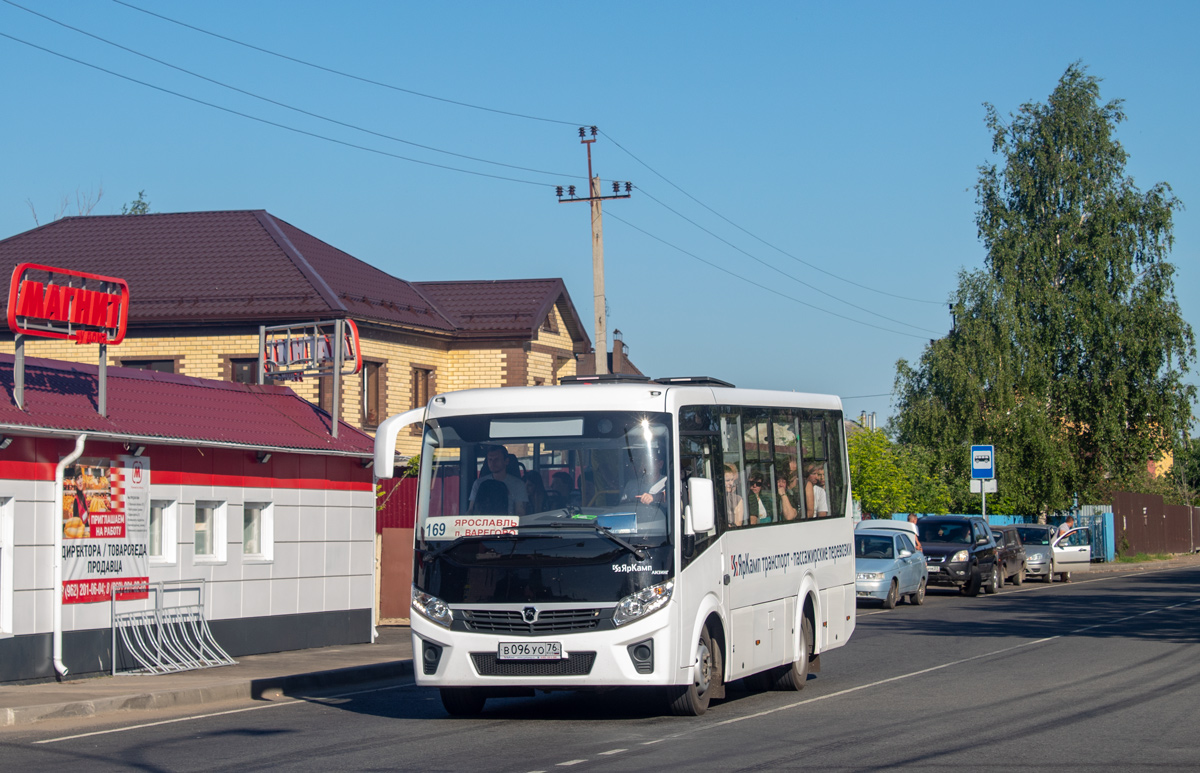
{"points": [[733, 481], [785, 485], [835, 471]]}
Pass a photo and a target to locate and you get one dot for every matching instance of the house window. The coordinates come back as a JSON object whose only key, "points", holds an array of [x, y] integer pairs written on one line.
{"points": [[7, 516], [258, 527], [209, 525], [163, 536], [162, 366], [372, 394], [422, 385], [244, 370]]}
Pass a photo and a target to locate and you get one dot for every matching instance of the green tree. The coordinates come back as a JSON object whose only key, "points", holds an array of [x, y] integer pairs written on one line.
{"points": [[1069, 350], [138, 206], [876, 475]]}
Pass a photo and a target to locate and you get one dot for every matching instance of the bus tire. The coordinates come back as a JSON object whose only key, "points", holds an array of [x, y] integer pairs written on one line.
{"points": [[462, 701], [794, 676], [691, 700]]}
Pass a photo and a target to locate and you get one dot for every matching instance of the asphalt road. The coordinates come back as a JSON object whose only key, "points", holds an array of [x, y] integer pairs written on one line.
{"points": [[1099, 674]]}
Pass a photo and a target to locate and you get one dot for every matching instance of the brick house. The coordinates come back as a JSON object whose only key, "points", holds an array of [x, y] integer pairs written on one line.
{"points": [[201, 283]]}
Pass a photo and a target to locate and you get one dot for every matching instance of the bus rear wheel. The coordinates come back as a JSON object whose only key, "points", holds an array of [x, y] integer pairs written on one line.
{"points": [[463, 701], [794, 676], [692, 700]]}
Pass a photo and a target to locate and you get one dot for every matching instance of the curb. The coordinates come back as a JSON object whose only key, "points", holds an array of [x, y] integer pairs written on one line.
{"points": [[292, 685]]}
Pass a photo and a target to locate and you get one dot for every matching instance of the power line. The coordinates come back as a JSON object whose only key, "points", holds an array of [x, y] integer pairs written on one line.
{"points": [[863, 397], [359, 78], [272, 123], [761, 286], [426, 163], [278, 103], [780, 250], [858, 285], [780, 271]]}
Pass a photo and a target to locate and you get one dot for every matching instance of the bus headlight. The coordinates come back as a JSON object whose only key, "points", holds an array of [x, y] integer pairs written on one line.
{"points": [[432, 607], [643, 602]]}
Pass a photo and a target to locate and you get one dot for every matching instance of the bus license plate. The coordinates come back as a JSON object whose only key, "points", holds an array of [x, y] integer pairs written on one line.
{"points": [[530, 650]]}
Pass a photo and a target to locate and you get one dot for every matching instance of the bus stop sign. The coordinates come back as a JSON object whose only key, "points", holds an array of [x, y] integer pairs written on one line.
{"points": [[983, 462]]}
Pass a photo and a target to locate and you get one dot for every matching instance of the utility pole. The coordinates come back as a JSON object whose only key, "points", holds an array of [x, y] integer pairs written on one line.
{"points": [[597, 242]]}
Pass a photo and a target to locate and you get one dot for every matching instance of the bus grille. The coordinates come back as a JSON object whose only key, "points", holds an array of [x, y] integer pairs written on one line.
{"points": [[549, 621], [579, 664]]}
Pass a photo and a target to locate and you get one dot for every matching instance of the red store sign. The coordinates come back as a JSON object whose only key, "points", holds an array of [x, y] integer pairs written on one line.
{"points": [[80, 307]]}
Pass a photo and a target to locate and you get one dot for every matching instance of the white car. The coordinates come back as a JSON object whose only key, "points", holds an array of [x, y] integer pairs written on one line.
{"points": [[1047, 554], [888, 523]]}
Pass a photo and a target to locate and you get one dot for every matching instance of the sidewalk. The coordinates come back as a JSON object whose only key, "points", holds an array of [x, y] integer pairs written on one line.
{"points": [[254, 677]]}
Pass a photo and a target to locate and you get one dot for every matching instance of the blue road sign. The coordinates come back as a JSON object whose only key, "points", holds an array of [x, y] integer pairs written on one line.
{"points": [[983, 462]]}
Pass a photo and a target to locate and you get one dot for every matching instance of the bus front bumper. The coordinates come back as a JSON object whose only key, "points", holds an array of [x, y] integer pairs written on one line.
{"points": [[639, 653]]}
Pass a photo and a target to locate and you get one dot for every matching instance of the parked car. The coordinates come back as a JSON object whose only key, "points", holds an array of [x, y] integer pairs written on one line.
{"points": [[1048, 555], [888, 523], [1010, 554], [888, 567], [960, 552]]}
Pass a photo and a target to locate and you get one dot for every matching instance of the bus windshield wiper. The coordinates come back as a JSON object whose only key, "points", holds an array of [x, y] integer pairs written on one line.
{"points": [[460, 540], [604, 531]]}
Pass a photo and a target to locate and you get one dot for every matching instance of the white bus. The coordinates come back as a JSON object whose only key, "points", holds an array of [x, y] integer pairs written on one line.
{"points": [[678, 532]]}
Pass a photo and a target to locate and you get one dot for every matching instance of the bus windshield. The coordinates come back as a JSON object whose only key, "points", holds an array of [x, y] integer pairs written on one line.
{"points": [[529, 489]]}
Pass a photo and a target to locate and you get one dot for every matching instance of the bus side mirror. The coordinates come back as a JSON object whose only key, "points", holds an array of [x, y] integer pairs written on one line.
{"points": [[701, 513], [385, 439]]}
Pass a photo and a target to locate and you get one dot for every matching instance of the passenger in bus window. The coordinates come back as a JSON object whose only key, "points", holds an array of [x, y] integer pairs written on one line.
{"points": [[562, 491], [535, 491], [497, 464], [735, 508], [760, 509], [492, 498], [788, 490], [815, 499]]}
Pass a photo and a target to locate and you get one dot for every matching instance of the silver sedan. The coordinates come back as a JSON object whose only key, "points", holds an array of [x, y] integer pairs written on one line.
{"points": [[888, 566]]}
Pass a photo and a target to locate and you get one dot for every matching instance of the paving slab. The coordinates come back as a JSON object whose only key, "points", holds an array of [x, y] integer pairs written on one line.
{"points": [[252, 678]]}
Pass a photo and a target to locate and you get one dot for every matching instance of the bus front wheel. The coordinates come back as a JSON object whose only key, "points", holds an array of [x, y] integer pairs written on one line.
{"points": [[463, 701], [794, 676], [691, 700]]}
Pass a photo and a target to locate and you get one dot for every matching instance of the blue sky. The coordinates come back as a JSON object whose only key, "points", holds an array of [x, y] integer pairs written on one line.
{"points": [[800, 168]]}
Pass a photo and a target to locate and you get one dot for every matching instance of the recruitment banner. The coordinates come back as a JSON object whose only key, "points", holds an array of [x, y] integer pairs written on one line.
{"points": [[106, 529]]}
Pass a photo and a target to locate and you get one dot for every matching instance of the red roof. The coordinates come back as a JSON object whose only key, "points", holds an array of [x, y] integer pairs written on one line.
{"points": [[197, 267], [248, 266], [504, 306], [60, 397]]}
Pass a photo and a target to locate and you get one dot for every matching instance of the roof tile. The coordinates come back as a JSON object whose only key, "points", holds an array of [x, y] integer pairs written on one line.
{"points": [[61, 396]]}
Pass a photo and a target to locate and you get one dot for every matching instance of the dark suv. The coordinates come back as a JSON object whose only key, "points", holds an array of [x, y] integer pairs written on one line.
{"points": [[1010, 554], [960, 551]]}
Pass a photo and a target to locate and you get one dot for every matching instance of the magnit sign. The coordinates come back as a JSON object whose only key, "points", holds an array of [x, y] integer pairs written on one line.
{"points": [[68, 305]]}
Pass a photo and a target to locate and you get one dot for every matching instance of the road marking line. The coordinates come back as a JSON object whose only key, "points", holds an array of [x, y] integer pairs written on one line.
{"points": [[931, 669], [612, 751], [290, 702], [569, 763]]}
